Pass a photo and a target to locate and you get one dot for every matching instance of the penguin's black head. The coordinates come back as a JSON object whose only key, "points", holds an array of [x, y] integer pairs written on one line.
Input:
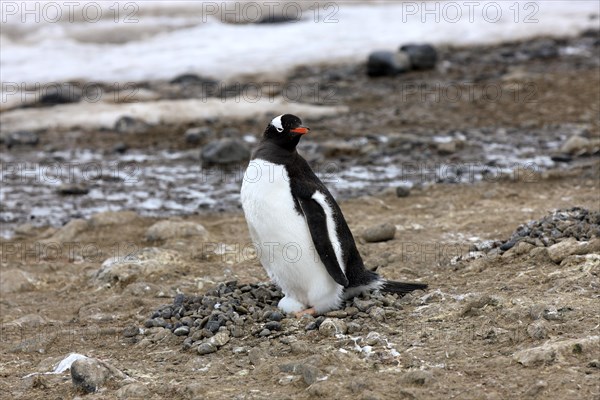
{"points": [[286, 131]]}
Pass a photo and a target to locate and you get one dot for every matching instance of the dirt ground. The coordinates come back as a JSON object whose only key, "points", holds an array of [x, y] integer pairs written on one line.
{"points": [[467, 336], [468, 355]]}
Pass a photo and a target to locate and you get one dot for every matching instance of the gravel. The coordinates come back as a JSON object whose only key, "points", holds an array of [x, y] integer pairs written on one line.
{"points": [[208, 322], [558, 226]]}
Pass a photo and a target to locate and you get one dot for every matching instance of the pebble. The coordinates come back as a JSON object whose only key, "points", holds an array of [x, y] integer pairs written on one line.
{"points": [[72, 189], [402, 191], [273, 326], [562, 250], [374, 338], [377, 313], [130, 125], [264, 333], [120, 148], [380, 233], [63, 93], [337, 314], [550, 352], [20, 138], [225, 151], [15, 281], [574, 145], [217, 326], [133, 391], [387, 63], [422, 56], [131, 331], [182, 331], [89, 374], [206, 348], [562, 232], [332, 327], [192, 79], [219, 339], [354, 327], [197, 135], [274, 316], [363, 305], [164, 230], [446, 148]]}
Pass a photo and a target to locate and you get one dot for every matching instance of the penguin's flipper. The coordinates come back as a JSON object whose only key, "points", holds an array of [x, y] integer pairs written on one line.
{"points": [[316, 218]]}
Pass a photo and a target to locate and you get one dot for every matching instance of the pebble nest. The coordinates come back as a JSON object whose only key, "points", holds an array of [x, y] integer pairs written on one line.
{"points": [[231, 310], [576, 222]]}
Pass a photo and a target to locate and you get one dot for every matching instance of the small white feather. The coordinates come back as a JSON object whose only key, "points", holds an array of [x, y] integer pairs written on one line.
{"points": [[276, 122]]}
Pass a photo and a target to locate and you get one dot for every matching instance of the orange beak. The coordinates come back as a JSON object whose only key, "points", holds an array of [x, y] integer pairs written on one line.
{"points": [[302, 130]]}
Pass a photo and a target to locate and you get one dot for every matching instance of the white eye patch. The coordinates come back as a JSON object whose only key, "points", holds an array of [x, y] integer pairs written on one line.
{"points": [[277, 123]]}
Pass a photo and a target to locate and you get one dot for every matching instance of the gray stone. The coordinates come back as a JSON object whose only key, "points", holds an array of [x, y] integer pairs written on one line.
{"points": [[146, 263], [62, 93], [120, 148], [219, 339], [377, 313], [89, 374], [402, 191], [374, 339], [332, 327], [422, 56], [131, 331], [571, 246], [206, 348], [575, 144], [337, 314], [274, 316], [446, 148], [387, 63], [72, 189], [15, 281], [131, 125], [363, 305], [225, 151], [256, 356], [552, 352], [354, 327], [182, 331], [273, 326], [164, 230], [309, 372], [69, 232], [197, 135], [133, 391], [20, 138], [519, 249], [380, 233]]}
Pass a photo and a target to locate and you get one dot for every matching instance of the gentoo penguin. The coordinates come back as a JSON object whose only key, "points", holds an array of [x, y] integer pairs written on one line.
{"points": [[298, 229]]}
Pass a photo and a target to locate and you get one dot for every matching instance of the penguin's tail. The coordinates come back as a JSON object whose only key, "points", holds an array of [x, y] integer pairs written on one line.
{"points": [[401, 287]]}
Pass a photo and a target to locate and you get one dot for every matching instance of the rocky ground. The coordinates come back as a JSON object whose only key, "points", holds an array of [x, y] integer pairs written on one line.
{"points": [[180, 307]]}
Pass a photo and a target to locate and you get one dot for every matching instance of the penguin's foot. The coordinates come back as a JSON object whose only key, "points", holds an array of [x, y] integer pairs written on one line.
{"points": [[308, 311]]}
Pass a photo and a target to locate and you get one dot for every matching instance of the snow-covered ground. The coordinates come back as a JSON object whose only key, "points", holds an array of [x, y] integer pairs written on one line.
{"points": [[54, 41]]}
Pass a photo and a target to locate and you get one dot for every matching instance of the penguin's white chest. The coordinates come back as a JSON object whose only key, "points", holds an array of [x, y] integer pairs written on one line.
{"points": [[282, 237]]}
